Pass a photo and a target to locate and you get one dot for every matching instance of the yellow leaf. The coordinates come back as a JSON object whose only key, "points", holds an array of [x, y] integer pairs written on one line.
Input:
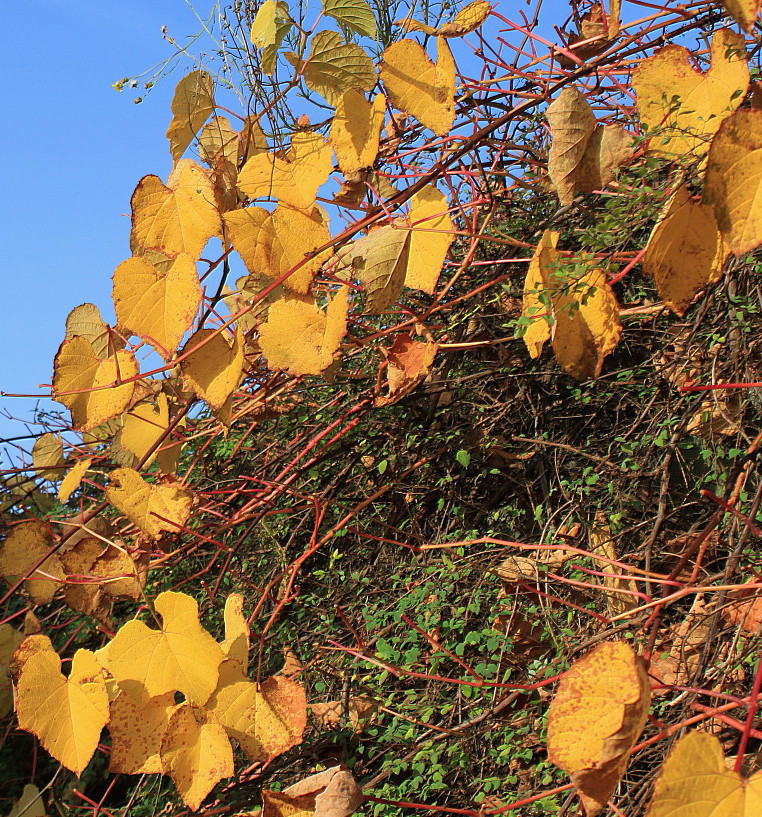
{"points": [[143, 427], [332, 793], [9, 640], [334, 66], [251, 139], [468, 19], [602, 542], [72, 480], [177, 218], [137, 726], [744, 12], [214, 370], [47, 457], [179, 657], [695, 781], [266, 719], [25, 545], [66, 714], [409, 24], [408, 362], [356, 130], [236, 643], [417, 86], [685, 252], [85, 320], [80, 593], [356, 15], [431, 236], [192, 103], [87, 384], [583, 155], [544, 261], [157, 306], [595, 719], [153, 508], [268, 31], [733, 182], [29, 804], [302, 339], [683, 106], [218, 138], [293, 180], [195, 753]]}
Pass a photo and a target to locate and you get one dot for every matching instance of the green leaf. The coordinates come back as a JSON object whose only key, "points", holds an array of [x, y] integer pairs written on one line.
{"points": [[463, 457], [354, 14]]}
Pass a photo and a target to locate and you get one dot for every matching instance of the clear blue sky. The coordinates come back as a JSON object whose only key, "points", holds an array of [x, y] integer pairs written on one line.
{"points": [[73, 150]]}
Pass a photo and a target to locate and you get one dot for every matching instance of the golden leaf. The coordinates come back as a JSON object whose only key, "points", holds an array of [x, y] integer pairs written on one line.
{"points": [[9, 640], [191, 105], [177, 218], [356, 130], [302, 339], [292, 180], [195, 753], [157, 306], [332, 793], [25, 545], [80, 593], [137, 726], [218, 138], [595, 719], [179, 657], [602, 542], [47, 457], [72, 480], [268, 31], [356, 15], [85, 320], [273, 243], [744, 12], [695, 781], [334, 66], [153, 508], [431, 236], [213, 370], [251, 139], [87, 384], [66, 714], [236, 643], [545, 259], [417, 86], [143, 426], [408, 363], [683, 106], [468, 19], [734, 180]]}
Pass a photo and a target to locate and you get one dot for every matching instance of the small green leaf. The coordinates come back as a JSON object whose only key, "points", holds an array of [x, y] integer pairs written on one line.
{"points": [[463, 457]]}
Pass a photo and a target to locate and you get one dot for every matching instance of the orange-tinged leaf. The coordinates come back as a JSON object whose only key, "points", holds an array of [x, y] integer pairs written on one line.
{"points": [[177, 218], [292, 180], [733, 182], [356, 130], [468, 19], [695, 781], [744, 12], [9, 640], [595, 719], [181, 656], [47, 456], [686, 252], [154, 508], [25, 545], [683, 106], [213, 370], [273, 243], [417, 86], [192, 104], [143, 426], [408, 363], [86, 384], [66, 714], [266, 719], [157, 306], [73, 479], [236, 643], [431, 236], [137, 726], [301, 338], [195, 753], [332, 793]]}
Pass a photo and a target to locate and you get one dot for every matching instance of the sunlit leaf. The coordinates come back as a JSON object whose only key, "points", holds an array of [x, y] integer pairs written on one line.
{"points": [[431, 236], [544, 261], [85, 320], [356, 15], [380, 260], [192, 104], [268, 31], [137, 726], [218, 138], [744, 12], [332, 793], [356, 129], [47, 457], [468, 19], [26, 544], [143, 426], [408, 363], [73, 479], [212, 370]]}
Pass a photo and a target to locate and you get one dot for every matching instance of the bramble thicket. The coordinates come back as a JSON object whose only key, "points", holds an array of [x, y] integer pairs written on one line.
{"points": [[419, 471]]}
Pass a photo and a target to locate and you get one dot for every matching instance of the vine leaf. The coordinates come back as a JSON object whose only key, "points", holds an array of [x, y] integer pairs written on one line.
{"points": [[192, 104], [87, 384], [26, 544], [430, 238], [85, 320], [602, 542], [218, 139], [9, 640], [334, 66], [292, 180], [380, 261], [301, 338], [695, 780], [356, 130], [733, 180], [536, 304], [73, 479], [744, 12], [142, 428], [468, 19], [236, 643], [268, 31], [179, 657], [137, 726], [158, 306], [29, 804], [332, 793], [408, 363], [685, 107], [66, 714], [179, 217], [356, 15], [47, 457], [212, 371], [153, 508], [417, 86], [195, 753], [595, 719], [685, 252]]}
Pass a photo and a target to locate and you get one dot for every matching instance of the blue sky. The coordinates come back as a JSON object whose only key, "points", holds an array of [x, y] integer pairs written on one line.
{"points": [[73, 150]]}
